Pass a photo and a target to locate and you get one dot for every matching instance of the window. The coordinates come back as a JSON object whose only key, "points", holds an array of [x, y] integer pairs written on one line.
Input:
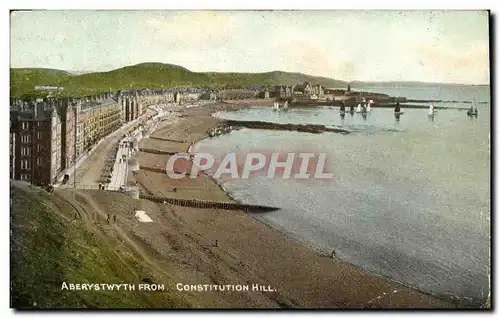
{"points": [[39, 135], [25, 125], [38, 161], [38, 148], [25, 164]]}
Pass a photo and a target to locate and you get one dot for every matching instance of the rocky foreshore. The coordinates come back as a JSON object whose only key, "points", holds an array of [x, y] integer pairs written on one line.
{"points": [[309, 128]]}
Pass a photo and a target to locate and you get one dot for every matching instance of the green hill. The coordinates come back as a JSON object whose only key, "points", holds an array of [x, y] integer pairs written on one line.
{"points": [[24, 80], [149, 75]]}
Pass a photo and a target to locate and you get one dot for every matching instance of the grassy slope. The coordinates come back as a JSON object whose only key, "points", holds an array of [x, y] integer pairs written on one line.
{"points": [[151, 75], [48, 248], [23, 80]]}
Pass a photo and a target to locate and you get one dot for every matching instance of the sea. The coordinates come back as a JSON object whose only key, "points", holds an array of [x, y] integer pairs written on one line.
{"points": [[409, 198]]}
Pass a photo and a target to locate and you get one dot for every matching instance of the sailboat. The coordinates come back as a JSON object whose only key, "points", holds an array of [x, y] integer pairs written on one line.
{"points": [[368, 106], [431, 111], [397, 109], [276, 106], [358, 109], [285, 106], [472, 111]]}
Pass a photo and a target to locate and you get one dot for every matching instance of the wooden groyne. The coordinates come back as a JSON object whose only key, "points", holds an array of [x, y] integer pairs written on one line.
{"points": [[171, 140], [158, 152], [309, 128], [201, 204], [159, 170]]}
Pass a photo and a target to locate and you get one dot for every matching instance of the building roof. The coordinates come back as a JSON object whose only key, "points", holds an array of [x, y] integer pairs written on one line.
{"points": [[27, 115], [96, 105]]}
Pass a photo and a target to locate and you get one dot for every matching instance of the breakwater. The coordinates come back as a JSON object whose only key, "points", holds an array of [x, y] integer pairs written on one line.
{"points": [[158, 152], [202, 204], [172, 140], [159, 170], [308, 128], [417, 106], [443, 101]]}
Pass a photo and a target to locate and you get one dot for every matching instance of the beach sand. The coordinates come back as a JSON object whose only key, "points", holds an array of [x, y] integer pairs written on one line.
{"points": [[248, 251]]}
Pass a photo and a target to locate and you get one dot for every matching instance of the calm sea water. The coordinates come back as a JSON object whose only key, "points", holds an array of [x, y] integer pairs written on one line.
{"points": [[410, 199]]}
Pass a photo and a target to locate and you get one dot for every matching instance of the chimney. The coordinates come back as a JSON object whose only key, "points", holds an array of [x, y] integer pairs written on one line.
{"points": [[38, 109]]}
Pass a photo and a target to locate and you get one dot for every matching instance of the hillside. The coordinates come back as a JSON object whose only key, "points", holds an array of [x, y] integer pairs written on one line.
{"points": [[270, 79], [24, 80], [64, 236], [49, 246], [150, 75]]}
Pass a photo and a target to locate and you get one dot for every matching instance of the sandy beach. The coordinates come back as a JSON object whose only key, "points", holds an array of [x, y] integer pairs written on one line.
{"points": [[248, 250]]}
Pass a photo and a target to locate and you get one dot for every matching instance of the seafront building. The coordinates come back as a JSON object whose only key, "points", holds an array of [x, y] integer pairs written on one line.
{"points": [[303, 91], [35, 142], [48, 136], [43, 142]]}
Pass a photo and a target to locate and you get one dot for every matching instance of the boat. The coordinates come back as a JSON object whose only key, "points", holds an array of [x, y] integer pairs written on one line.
{"points": [[472, 111], [285, 106], [431, 111], [368, 106], [358, 109], [397, 109]]}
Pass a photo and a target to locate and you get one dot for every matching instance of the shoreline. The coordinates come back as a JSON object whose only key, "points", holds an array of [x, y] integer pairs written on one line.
{"points": [[196, 114]]}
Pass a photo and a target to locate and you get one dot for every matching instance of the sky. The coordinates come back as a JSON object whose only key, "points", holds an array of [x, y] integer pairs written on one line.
{"points": [[429, 46]]}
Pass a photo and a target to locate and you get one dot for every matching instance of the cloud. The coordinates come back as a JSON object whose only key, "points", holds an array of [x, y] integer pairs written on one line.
{"points": [[193, 29], [468, 62], [310, 57]]}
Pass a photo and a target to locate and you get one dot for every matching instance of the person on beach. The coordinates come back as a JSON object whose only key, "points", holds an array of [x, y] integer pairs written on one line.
{"points": [[109, 216], [342, 107], [333, 254], [114, 218], [398, 108]]}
